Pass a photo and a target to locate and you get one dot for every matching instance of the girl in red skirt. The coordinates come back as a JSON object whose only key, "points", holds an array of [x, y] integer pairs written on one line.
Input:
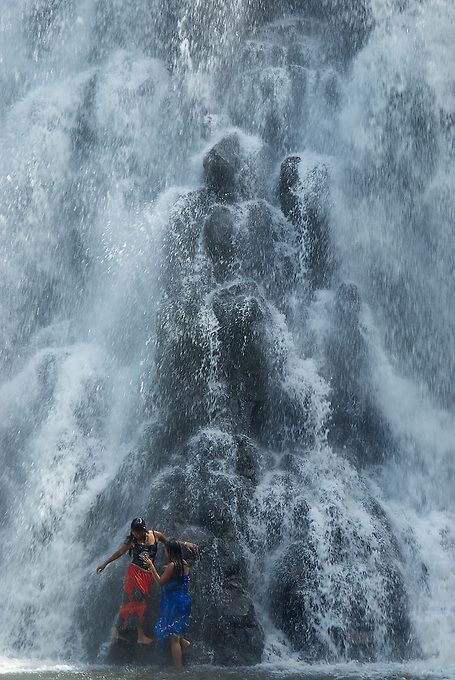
{"points": [[141, 542]]}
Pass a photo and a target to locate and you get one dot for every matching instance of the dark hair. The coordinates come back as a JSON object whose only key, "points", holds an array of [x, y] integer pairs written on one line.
{"points": [[138, 524], [174, 549]]}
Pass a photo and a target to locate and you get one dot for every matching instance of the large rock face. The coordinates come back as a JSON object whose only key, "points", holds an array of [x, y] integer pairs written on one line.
{"points": [[230, 405], [218, 381], [254, 454], [302, 597], [213, 366]]}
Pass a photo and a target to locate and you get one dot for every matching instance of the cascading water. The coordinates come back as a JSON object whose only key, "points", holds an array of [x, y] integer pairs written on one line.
{"points": [[228, 268]]}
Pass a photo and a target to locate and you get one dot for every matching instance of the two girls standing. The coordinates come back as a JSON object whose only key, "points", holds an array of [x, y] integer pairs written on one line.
{"points": [[142, 545]]}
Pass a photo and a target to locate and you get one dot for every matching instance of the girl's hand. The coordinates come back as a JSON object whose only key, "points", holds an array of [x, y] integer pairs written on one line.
{"points": [[147, 561], [192, 547], [101, 567]]}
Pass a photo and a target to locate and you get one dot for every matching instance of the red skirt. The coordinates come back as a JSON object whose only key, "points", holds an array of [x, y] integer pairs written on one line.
{"points": [[136, 588]]}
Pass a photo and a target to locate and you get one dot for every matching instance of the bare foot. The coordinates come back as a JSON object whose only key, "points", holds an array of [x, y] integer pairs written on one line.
{"points": [[116, 635], [185, 643], [144, 640]]}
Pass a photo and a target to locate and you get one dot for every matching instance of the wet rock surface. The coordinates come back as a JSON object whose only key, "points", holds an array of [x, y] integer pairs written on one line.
{"points": [[219, 239], [222, 166], [357, 426], [244, 430], [222, 363], [304, 194]]}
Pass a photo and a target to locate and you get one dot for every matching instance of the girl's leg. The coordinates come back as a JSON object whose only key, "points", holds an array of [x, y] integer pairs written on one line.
{"points": [[118, 636], [142, 638], [176, 651], [184, 643]]}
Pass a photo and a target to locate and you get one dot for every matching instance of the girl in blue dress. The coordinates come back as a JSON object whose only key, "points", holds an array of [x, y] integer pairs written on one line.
{"points": [[175, 600]]}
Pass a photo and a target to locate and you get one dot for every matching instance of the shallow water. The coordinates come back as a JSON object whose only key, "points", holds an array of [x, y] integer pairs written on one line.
{"points": [[18, 670]]}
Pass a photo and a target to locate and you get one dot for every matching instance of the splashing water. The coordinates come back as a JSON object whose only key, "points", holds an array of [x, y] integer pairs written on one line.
{"points": [[108, 112]]}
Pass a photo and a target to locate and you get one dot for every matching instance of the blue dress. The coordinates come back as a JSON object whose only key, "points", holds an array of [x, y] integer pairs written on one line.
{"points": [[175, 609]]}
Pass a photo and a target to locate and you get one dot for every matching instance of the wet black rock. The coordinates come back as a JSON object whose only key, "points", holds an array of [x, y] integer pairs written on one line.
{"points": [[316, 214], [356, 425], [258, 251], [345, 26], [182, 348], [222, 166], [211, 337], [288, 187], [271, 101], [247, 464], [298, 605], [215, 482], [202, 498], [243, 638], [294, 605], [282, 420], [241, 314], [219, 239], [351, 22], [182, 238], [304, 194], [265, 249], [181, 365], [225, 629]]}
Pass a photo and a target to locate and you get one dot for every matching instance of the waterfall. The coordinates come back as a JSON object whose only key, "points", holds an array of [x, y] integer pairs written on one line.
{"points": [[226, 305]]}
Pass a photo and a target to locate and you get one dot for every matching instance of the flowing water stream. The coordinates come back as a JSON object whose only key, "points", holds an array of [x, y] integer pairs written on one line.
{"points": [[227, 285]]}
